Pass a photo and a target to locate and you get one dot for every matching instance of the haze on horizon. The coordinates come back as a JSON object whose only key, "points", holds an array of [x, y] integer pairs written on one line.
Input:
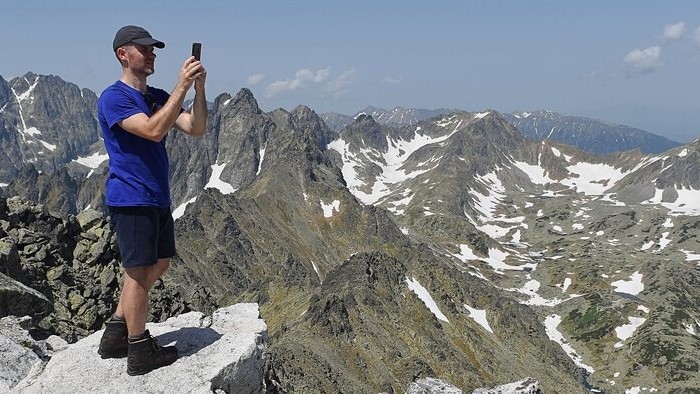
{"points": [[634, 64]]}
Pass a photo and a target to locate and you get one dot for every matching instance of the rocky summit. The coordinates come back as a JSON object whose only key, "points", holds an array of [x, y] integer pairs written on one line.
{"points": [[450, 252], [224, 352]]}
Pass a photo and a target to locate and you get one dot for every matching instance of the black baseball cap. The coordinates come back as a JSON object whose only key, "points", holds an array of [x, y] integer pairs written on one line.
{"points": [[137, 35]]}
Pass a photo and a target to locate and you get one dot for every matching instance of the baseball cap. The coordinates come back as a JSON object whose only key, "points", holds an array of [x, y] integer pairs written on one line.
{"points": [[137, 35]]}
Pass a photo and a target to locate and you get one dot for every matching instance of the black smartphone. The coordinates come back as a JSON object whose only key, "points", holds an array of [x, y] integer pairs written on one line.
{"points": [[197, 50]]}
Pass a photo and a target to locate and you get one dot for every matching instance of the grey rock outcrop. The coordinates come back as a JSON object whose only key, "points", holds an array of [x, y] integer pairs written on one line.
{"points": [[525, 386], [432, 386], [67, 266], [224, 352], [19, 300], [20, 352]]}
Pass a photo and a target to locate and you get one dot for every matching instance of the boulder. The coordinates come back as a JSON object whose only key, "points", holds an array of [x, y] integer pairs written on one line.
{"points": [[525, 386], [19, 300], [20, 352], [432, 386], [223, 352]]}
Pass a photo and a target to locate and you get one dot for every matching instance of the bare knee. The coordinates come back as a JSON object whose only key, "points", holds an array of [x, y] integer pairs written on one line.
{"points": [[148, 275], [158, 269]]}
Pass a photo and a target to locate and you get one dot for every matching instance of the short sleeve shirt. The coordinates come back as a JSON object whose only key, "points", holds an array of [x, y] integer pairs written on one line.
{"points": [[138, 167]]}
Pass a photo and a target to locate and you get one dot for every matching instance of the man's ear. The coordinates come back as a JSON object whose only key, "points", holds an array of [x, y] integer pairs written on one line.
{"points": [[121, 53]]}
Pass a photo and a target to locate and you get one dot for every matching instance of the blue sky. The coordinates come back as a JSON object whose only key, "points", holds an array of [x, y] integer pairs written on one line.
{"points": [[629, 62]]}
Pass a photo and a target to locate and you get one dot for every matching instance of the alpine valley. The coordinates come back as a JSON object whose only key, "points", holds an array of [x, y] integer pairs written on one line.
{"points": [[448, 246]]}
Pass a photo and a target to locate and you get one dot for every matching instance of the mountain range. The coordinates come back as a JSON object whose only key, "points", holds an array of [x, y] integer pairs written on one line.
{"points": [[590, 135], [452, 247]]}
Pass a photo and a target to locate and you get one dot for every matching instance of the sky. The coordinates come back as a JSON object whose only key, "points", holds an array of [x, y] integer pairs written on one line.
{"points": [[635, 63]]}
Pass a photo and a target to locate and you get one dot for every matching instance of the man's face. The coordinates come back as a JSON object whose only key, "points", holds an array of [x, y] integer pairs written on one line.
{"points": [[140, 58]]}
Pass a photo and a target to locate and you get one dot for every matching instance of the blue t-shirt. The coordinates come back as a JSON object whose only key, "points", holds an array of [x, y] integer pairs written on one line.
{"points": [[138, 168]]}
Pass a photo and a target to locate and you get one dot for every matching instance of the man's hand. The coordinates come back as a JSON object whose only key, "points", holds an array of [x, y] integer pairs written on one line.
{"points": [[194, 122], [191, 70], [200, 79]]}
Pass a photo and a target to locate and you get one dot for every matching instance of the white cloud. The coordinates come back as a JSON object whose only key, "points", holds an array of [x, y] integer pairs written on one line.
{"points": [[644, 60], [674, 32], [255, 79], [339, 85], [391, 80], [301, 79], [696, 36]]}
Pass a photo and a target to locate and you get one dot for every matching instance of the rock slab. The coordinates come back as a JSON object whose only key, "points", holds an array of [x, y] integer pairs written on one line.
{"points": [[223, 352]]}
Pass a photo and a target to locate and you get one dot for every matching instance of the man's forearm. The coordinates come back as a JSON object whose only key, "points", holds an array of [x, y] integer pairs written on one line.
{"points": [[162, 121], [199, 112]]}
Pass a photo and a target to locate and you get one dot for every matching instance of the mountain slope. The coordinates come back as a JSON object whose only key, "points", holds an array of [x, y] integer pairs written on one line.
{"points": [[560, 229], [44, 121], [287, 240]]}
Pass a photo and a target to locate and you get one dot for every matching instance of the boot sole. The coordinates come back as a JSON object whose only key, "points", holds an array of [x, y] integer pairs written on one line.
{"points": [[113, 354], [142, 371]]}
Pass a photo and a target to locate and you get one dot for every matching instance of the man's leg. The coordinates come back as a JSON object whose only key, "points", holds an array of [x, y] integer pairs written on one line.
{"points": [[144, 235], [133, 302], [144, 353], [132, 310]]}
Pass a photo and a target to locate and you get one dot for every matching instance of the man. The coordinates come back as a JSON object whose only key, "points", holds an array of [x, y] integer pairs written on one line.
{"points": [[135, 119]]}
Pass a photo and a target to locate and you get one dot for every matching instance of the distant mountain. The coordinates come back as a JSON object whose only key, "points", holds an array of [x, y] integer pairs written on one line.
{"points": [[396, 117], [590, 135]]}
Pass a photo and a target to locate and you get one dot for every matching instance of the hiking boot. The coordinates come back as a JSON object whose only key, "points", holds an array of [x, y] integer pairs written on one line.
{"points": [[114, 342], [145, 355]]}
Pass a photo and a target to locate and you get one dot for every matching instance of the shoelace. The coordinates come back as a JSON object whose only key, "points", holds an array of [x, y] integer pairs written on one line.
{"points": [[154, 343]]}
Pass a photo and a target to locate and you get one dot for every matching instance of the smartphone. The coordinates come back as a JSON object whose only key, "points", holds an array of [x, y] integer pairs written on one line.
{"points": [[197, 50]]}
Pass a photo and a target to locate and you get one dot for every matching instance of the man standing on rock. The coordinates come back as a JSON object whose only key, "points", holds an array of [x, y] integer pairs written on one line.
{"points": [[135, 119]]}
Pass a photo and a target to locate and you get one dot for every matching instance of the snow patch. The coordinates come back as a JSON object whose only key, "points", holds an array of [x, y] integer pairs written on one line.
{"points": [[180, 210], [215, 181], [93, 161], [565, 286], [687, 203], [634, 286], [496, 259], [261, 154], [329, 208], [425, 296], [479, 316], [691, 256], [626, 331], [391, 164], [551, 323]]}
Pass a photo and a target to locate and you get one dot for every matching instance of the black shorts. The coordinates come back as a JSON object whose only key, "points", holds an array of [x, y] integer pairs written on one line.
{"points": [[144, 234]]}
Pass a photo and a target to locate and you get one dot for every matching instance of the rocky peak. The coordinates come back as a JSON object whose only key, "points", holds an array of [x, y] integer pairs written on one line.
{"points": [[245, 102], [305, 118], [365, 131], [365, 119], [302, 112], [49, 122]]}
